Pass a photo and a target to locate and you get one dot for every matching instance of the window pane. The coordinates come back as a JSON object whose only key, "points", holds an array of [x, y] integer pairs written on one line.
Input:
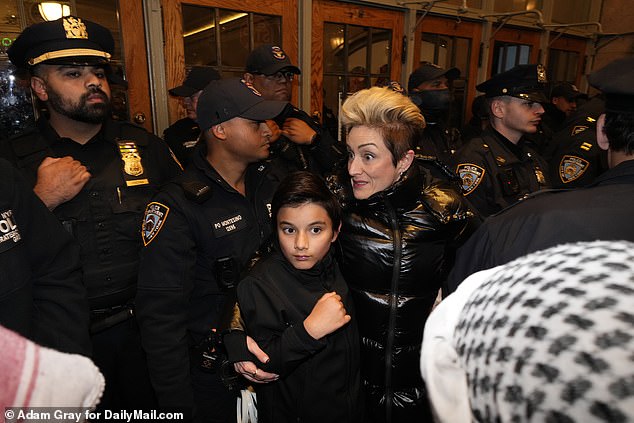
{"points": [[333, 48], [357, 42], [381, 41], [267, 30], [234, 37], [199, 36], [462, 55], [562, 65]]}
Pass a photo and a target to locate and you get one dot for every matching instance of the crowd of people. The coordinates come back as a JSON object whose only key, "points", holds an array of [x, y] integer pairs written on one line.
{"points": [[249, 249]]}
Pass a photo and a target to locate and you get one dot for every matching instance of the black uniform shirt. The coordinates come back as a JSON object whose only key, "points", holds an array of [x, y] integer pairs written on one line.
{"points": [[127, 165], [189, 241], [602, 210], [496, 173], [41, 294]]}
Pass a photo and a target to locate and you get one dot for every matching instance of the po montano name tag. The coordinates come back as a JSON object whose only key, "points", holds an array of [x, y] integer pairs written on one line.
{"points": [[228, 225]]}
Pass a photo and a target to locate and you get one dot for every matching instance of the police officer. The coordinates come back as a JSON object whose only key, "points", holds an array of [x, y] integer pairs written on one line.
{"points": [[182, 136], [96, 175], [428, 87], [600, 211], [199, 235], [299, 142], [41, 294], [577, 159], [498, 168]]}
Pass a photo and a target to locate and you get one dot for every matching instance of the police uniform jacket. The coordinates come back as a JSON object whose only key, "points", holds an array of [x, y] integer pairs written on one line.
{"points": [[190, 241], [576, 157], [319, 379], [127, 165], [395, 251], [182, 136], [41, 294], [602, 210], [319, 157], [496, 173]]}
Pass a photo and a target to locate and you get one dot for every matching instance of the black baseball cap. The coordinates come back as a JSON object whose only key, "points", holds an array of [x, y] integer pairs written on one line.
{"points": [[527, 82], [428, 72], [269, 59], [566, 90], [197, 79], [616, 82], [69, 40], [225, 99]]}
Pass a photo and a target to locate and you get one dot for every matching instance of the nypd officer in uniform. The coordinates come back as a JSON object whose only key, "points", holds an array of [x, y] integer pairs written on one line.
{"points": [[199, 235], [96, 175], [299, 142], [428, 87], [41, 293], [577, 159], [600, 211], [498, 168], [183, 135]]}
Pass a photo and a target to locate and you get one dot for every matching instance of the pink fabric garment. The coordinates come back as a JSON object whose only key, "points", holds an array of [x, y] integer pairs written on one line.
{"points": [[35, 376]]}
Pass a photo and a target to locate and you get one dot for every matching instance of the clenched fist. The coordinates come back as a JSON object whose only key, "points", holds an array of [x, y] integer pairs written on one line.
{"points": [[59, 180], [327, 316]]}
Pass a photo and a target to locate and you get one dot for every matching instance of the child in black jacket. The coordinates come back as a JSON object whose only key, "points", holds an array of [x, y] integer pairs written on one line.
{"points": [[296, 306]]}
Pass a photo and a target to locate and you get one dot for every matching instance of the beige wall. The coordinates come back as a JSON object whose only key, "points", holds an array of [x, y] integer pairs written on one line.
{"points": [[616, 17]]}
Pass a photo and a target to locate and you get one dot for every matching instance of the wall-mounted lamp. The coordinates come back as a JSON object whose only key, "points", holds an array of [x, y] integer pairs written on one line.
{"points": [[52, 10]]}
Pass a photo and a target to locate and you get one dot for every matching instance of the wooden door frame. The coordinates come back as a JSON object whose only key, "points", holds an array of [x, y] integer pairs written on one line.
{"points": [[352, 14], [135, 60], [452, 27], [174, 46]]}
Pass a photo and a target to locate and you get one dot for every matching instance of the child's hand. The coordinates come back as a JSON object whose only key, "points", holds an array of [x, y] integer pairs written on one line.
{"points": [[327, 316]]}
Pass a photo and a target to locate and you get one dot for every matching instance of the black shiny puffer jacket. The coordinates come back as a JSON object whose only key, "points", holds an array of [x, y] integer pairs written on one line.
{"points": [[395, 250]]}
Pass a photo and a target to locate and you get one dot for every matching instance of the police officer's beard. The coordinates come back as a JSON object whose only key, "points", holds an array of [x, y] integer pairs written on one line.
{"points": [[81, 111]]}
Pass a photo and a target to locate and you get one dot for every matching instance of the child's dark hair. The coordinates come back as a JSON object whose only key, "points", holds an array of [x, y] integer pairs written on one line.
{"points": [[304, 187]]}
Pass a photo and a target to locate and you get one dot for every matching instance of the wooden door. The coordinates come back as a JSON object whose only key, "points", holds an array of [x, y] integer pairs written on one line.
{"points": [[386, 26], [460, 41], [175, 62]]}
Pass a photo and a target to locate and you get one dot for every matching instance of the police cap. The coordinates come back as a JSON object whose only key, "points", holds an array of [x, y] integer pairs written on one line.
{"points": [[268, 59], [225, 99], [616, 81], [430, 71], [197, 79], [68, 41], [527, 82]]}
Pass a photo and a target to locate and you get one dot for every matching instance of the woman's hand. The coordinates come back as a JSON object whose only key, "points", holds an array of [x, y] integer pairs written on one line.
{"points": [[250, 370]]}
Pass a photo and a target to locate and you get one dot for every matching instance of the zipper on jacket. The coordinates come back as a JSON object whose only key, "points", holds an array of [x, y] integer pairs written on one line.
{"points": [[389, 346]]}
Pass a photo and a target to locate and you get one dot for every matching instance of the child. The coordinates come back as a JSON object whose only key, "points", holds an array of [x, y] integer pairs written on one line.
{"points": [[296, 306]]}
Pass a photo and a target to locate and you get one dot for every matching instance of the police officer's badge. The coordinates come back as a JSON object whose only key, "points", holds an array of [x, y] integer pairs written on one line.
{"points": [[133, 171], [471, 176], [155, 215], [572, 168]]}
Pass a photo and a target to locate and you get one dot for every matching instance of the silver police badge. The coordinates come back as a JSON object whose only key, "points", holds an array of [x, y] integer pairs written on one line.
{"points": [[471, 176], [572, 168], [155, 215]]}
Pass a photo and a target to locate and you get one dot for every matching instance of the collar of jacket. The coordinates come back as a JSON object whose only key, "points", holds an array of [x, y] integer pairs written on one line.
{"points": [[198, 163]]}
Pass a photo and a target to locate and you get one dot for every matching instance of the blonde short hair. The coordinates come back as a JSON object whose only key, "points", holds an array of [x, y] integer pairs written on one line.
{"points": [[397, 119]]}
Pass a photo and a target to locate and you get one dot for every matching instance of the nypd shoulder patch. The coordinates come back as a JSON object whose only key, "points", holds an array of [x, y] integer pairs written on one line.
{"points": [[572, 168], [155, 216], [471, 176]]}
